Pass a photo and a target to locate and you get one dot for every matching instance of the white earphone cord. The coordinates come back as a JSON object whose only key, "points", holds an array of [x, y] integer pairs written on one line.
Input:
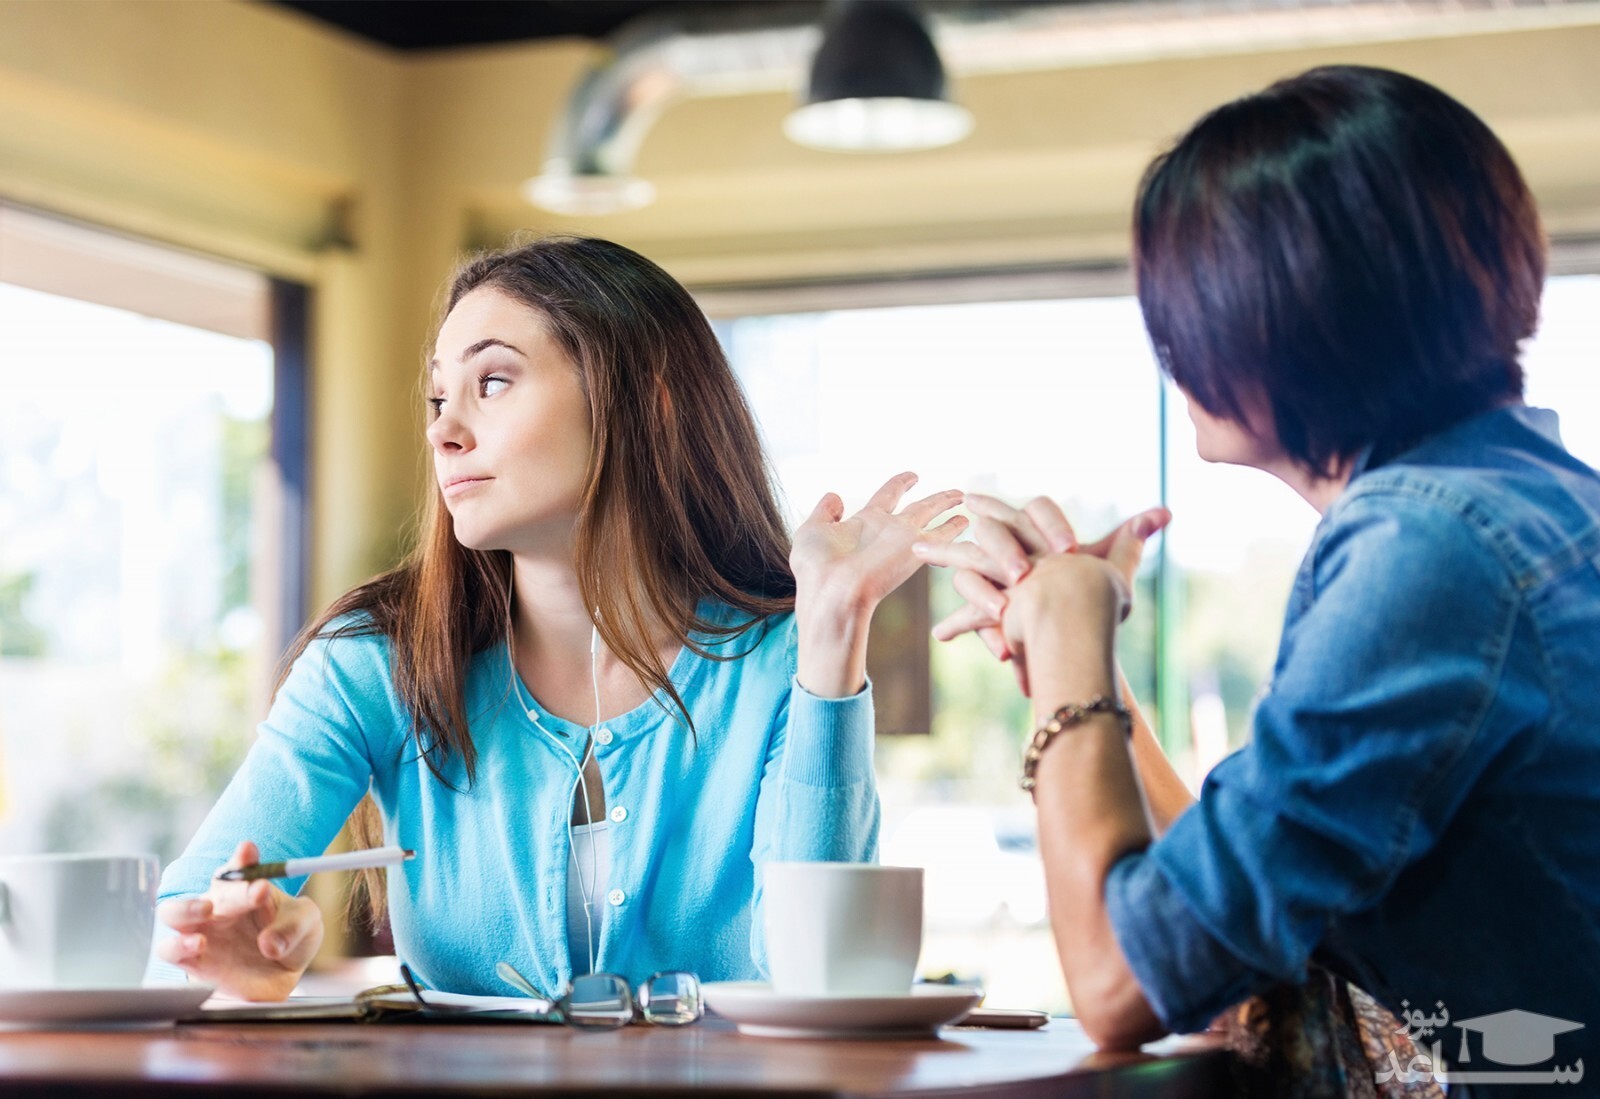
{"points": [[588, 821], [584, 888]]}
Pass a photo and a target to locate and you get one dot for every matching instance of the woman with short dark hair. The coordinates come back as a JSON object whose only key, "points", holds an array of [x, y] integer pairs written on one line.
{"points": [[1337, 273], [1353, 247]]}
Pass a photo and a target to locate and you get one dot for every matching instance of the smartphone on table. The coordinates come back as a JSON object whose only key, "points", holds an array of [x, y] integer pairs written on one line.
{"points": [[1004, 1018]]}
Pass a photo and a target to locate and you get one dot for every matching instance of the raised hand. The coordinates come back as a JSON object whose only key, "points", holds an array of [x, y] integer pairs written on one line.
{"points": [[844, 567], [859, 560], [250, 939]]}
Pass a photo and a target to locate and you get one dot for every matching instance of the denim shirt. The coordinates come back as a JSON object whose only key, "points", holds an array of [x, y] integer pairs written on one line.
{"points": [[1418, 808]]}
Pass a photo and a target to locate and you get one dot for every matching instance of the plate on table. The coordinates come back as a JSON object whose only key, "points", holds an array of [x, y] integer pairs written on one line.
{"points": [[759, 1011], [40, 1007]]}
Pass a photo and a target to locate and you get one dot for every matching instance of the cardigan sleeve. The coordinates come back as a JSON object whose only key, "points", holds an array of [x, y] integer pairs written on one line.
{"points": [[310, 764]]}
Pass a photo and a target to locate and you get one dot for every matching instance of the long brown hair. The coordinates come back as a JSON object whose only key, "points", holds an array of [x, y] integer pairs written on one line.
{"points": [[678, 502]]}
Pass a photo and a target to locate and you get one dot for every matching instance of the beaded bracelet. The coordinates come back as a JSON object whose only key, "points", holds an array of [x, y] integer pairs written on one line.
{"points": [[1063, 719]]}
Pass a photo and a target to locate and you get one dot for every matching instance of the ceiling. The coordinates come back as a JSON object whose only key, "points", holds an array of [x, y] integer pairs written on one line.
{"points": [[435, 24]]}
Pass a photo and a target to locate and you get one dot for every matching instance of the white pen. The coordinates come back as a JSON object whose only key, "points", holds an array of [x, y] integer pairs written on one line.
{"points": [[295, 868]]}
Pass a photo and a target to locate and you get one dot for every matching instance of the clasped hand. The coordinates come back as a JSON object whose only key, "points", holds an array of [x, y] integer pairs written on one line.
{"points": [[1025, 571]]}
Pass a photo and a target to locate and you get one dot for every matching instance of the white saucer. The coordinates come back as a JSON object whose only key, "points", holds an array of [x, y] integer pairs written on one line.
{"points": [[757, 1010], [38, 1007]]}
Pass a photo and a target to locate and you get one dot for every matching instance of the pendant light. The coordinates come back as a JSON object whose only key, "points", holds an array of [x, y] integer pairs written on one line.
{"points": [[877, 84]]}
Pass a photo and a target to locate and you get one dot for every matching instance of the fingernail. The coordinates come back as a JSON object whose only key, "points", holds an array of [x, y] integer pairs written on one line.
{"points": [[279, 944], [1018, 572], [997, 607], [195, 908], [191, 942], [1143, 527]]}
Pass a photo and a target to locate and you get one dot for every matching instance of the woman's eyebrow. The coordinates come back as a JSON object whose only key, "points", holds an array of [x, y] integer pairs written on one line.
{"points": [[481, 345]]}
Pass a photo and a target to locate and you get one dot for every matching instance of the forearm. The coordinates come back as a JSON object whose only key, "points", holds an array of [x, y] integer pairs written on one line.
{"points": [[1090, 803], [1091, 813], [832, 658], [1165, 793]]}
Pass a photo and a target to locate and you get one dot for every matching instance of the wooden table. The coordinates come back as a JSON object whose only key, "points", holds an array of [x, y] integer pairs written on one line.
{"points": [[384, 1060]]}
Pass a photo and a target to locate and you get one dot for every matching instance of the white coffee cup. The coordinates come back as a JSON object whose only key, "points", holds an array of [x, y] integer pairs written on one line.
{"points": [[76, 921], [842, 929]]}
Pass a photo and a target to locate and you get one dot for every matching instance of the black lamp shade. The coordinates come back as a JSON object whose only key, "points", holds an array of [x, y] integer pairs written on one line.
{"points": [[875, 49], [877, 84]]}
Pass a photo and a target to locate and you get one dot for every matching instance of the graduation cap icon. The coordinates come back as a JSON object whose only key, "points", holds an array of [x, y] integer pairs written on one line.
{"points": [[1515, 1037]]}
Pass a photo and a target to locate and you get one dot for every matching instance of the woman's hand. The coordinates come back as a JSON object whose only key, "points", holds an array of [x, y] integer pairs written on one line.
{"points": [[250, 939], [844, 567], [1026, 567], [856, 562]]}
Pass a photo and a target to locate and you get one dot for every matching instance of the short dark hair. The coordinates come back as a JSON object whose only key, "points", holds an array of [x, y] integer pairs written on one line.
{"points": [[1352, 246]]}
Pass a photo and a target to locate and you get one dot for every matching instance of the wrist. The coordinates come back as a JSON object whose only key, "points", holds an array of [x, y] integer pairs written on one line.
{"points": [[1064, 721], [832, 640], [1068, 661]]}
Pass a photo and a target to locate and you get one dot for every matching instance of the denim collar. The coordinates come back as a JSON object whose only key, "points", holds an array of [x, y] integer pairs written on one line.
{"points": [[1542, 421]]}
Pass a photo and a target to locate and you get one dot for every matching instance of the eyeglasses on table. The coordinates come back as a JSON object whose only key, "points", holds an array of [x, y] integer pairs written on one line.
{"points": [[603, 1001]]}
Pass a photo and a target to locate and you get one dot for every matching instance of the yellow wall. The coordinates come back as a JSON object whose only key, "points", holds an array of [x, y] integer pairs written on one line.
{"points": [[244, 131]]}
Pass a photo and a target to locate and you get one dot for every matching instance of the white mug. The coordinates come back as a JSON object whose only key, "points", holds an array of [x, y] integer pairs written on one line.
{"points": [[76, 921], [842, 929]]}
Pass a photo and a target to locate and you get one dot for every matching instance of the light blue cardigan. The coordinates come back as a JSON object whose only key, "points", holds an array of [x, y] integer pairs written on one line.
{"points": [[772, 773]]}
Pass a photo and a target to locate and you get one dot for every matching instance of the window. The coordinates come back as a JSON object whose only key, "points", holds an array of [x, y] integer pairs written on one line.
{"points": [[1561, 361], [847, 397], [143, 564]]}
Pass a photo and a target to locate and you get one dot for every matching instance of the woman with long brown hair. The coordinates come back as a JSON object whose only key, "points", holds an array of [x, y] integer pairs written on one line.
{"points": [[602, 690]]}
